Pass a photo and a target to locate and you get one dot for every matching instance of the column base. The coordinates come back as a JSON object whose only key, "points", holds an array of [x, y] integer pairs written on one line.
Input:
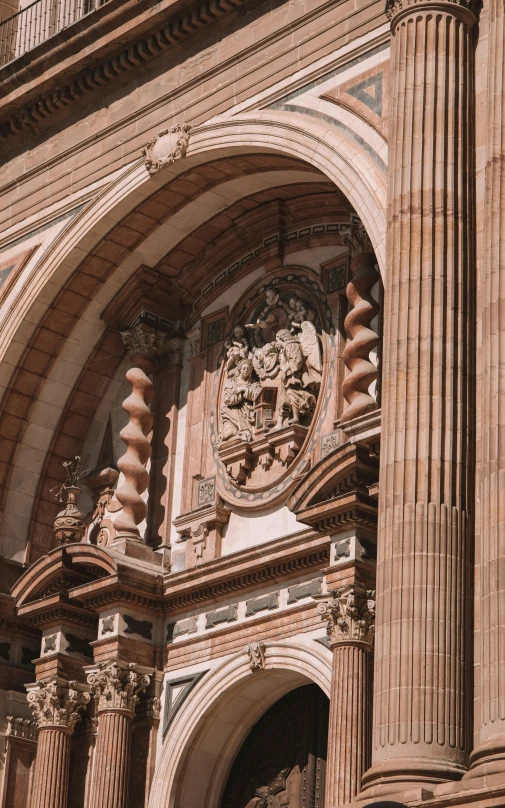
{"points": [[488, 760], [415, 779]]}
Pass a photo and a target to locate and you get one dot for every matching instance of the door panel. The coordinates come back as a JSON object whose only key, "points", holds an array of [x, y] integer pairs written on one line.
{"points": [[282, 761]]}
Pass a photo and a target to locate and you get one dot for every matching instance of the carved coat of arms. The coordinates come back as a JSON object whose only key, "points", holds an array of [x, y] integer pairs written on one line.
{"points": [[166, 147]]}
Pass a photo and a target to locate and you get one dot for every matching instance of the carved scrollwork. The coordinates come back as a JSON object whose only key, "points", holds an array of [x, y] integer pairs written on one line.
{"points": [[117, 688], [166, 147], [53, 704], [256, 653], [349, 615]]}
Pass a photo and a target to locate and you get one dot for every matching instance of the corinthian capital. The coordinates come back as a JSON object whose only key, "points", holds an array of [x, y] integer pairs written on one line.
{"points": [[357, 239], [142, 340], [349, 615], [54, 704], [117, 688], [462, 8]]}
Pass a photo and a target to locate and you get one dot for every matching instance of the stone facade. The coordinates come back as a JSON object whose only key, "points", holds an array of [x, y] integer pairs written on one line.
{"points": [[251, 383]]}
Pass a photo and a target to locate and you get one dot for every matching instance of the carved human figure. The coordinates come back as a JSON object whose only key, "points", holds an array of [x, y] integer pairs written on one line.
{"points": [[294, 399], [299, 312], [237, 348], [239, 395]]}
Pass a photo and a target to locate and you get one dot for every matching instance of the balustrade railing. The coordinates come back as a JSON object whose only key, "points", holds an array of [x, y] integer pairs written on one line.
{"points": [[37, 22]]}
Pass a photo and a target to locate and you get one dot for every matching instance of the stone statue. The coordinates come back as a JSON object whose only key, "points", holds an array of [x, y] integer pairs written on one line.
{"points": [[239, 394]]}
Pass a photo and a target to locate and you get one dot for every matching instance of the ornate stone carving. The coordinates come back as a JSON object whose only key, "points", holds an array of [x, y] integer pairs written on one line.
{"points": [[356, 238], [166, 147], [273, 369], [21, 728], [116, 688], [142, 340], [101, 484], [149, 709], [394, 7], [256, 653], [56, 705], [70, 525], [349, 615]]}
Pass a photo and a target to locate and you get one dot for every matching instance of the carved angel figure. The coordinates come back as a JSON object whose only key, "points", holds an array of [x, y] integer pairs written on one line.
{"points": [[266, 362], [237, 348], [239, 395], [311, 349], [299, 312], [295, 400]]}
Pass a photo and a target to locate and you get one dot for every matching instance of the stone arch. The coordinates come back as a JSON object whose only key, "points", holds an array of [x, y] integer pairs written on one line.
{"points": [[218, 714], [334, 152]]}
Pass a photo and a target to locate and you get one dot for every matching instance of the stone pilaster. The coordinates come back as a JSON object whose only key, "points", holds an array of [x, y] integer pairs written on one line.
{"points": [[115, 689], [55, 707], [422, 652], [489, 755], [357, 324], [350, 615]]}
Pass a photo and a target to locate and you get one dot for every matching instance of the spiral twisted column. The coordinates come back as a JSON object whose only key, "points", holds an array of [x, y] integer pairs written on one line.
{"points": [[422, 691], [143, 344], [349, 615], [362, 372], [116, 691], [488, 757], [55, 708]]}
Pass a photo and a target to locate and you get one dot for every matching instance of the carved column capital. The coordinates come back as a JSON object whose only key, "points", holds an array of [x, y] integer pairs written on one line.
{"points": [[54, 704], [357, 239], [143, 340], [464, 9], [117, 688], [349, 615]]}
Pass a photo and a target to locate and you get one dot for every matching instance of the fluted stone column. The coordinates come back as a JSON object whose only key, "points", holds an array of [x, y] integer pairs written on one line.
{"points": [[489, 755], [116, 690], [357, 324], [349, 616], [55, 707], [422, 652]]}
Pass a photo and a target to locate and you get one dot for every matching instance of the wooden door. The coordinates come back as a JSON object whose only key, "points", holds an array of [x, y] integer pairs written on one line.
{"points": [[282, 761]]}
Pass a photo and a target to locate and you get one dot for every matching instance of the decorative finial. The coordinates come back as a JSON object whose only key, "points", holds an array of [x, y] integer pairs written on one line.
{"points": [[69, 525]]}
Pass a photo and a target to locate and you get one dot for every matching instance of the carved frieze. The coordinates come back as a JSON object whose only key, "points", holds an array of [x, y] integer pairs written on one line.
{"points": [[117, 688], [272, 377], [349, 614], [166, 147], [56, 705]]}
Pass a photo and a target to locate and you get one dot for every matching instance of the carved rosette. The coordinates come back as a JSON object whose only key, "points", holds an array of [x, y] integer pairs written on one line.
{"points": [[116, 688], [349, 615], [166, 147], [56, 705]]}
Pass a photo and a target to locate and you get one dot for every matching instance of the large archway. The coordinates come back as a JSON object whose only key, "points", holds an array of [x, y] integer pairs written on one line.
{"points": [[211, 726]]}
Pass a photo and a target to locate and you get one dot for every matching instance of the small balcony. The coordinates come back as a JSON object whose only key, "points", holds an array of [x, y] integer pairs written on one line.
{"points": [[38, 22]]}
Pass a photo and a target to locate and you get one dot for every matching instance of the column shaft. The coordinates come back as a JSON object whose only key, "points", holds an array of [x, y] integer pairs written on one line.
{"points": [[51, 775], [490, 719], [422, 656], [112, 760], [348, 728]]}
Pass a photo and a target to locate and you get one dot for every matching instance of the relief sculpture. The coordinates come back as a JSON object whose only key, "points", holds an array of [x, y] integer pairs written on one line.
{"points": [[272, 368]]}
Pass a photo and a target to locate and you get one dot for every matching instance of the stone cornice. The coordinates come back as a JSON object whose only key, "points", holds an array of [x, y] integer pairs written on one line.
{"points": [[40, 103]]}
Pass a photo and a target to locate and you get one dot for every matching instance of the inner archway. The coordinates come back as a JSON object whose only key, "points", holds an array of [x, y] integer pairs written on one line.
{"points": [[282, 762]]}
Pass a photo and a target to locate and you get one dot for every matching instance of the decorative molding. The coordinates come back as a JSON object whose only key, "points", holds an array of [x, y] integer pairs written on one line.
{"points": [[305, 590], [117, 688], [256, 653], [330, 443], [206, 491], [270, 601], [54, 704], [349, 615], [148, 709], [227, 615], [166, 147], [143, 628], [395, 7], [178, 29]]}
